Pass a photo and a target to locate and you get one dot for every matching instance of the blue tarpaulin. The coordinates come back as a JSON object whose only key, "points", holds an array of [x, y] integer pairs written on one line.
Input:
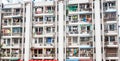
{"points": [[49, 40]]}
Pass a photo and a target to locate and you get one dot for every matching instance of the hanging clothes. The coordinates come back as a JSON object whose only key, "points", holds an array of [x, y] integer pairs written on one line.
{"points": [[75, 51], [84, 19]]}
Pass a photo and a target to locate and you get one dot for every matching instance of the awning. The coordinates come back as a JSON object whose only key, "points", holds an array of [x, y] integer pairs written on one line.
{"points": [[85, 60], [42, 60], [72, 59], [14, 58]]}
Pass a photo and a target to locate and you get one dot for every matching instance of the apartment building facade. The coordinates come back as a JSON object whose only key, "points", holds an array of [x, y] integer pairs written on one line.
{"points": [[69, 30]]}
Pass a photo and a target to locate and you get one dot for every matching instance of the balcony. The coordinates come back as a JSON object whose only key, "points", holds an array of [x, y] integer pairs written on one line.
{"points": [[17, 21], [49, 9], [49, 19], [38, 10], [49, 53], [10, 55], [86, 53], [109, 6], [6, 22], [72, 52], [6, 32]]}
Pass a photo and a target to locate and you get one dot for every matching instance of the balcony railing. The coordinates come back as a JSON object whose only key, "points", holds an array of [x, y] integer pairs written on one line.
{"points": [[111, 43], [39, 33], [17, 23], [17, 34], [108, 31], [6, 34], [86, 43], [6, 24], [49, 11], [73, 32], [49, 55], [86, 32], [6, 55], [17, 13], [7, 14], [111, 54], [49, 44], [37, 55]]}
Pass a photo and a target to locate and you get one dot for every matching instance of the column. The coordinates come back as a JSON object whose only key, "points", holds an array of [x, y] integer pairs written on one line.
{"points": [[28, 31], [61, 37], [97, 31]]}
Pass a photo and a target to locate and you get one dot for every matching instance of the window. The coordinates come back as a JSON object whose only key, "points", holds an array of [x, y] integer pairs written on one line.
{"points": [[75, 39], [40, 51], [40, 40], [112, 27], [112, 38], [17, 30], [35, 41], [8, 41], [48, 29], [106, 38], [15, 41], [84, 38], [35, 51]]}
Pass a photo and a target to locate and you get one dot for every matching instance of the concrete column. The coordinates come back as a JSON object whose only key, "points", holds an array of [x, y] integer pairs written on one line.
{"points": [[56, 37], [61, 37], [98, 31], [28, 32], [118, 11]]}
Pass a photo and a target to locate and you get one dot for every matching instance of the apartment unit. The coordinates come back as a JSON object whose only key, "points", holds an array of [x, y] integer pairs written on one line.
{"points": [[51, 30]]}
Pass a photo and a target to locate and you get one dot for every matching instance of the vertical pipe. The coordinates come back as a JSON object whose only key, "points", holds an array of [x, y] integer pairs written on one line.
{"points": [[28, 32], [103, 54], [97, 31], [61, 43], [93, 34]]}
